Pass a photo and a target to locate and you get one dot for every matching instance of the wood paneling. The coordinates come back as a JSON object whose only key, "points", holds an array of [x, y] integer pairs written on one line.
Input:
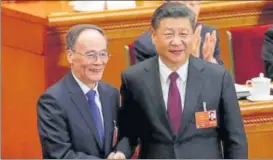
{"points": [[23, 80], [258, 120]]}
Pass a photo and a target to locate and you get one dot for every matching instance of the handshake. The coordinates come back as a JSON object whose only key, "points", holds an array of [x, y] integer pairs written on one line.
{"points": [[116, 155]]}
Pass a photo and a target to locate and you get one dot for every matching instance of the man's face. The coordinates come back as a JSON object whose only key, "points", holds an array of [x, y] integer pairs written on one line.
{"points": [[212, 114], [193, 5], [171, 39], [90, 56]]}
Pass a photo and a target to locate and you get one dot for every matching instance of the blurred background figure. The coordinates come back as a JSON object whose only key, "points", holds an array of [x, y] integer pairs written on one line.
{"points": [[268, 53]]}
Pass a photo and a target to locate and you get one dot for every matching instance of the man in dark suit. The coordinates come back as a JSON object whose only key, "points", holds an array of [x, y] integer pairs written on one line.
{"points": [[76, 115], [268, 53], [165, 98], [207, 42]]}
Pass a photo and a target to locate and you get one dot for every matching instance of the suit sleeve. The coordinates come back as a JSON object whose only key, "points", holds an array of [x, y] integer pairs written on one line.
{"points": [[128, 124], [267, 54], [217, 51], [232, 130], [143, 50], [53, 131]]}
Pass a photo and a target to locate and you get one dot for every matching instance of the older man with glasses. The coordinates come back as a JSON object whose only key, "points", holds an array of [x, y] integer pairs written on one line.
{"points": [[76, 116]]}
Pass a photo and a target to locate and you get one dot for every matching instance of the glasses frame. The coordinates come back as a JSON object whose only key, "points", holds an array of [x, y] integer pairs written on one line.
{"points": [[93, 59]]}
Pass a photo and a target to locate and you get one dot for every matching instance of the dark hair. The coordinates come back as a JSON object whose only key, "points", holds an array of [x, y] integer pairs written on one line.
{"points": [[74, 32], [172, 10]]}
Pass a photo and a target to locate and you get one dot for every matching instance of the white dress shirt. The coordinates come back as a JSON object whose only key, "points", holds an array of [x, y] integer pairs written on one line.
{"points": [[86, 89], [181, 80]]}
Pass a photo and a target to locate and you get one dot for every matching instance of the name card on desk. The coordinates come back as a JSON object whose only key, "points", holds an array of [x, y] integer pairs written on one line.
{"points": [[112, 5]]}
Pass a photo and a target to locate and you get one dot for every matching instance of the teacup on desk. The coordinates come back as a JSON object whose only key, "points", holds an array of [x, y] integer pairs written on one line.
{"points": [[260, 89]]}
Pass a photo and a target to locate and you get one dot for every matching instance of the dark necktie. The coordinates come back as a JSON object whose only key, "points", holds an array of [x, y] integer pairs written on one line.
{"points": [[174, 104], [95, 114]]}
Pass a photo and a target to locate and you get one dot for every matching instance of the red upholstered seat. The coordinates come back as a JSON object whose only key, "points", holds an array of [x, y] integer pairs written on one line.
{"points": [[132, 56], [247, 45]]}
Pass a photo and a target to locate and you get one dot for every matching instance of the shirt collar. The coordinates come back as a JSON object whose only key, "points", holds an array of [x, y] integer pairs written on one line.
{"points": [[165, 71], [84, 87]]}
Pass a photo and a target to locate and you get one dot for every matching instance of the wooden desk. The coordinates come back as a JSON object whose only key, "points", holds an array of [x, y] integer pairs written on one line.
{"points": [[258, 120], [33, 55]]}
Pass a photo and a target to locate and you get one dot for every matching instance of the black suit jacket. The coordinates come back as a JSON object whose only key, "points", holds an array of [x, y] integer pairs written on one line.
{"points": [[268, 53], [143, 47], [143, 114], [65, 123]]}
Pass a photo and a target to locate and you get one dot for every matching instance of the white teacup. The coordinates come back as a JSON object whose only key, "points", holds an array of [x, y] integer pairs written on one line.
{"points": [[260, 86]]}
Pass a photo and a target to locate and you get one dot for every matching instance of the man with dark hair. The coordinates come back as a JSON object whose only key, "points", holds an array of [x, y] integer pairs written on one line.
{"points": [[165, 98], [206, 45], [212, 116], [268, 53], [76, 115]]}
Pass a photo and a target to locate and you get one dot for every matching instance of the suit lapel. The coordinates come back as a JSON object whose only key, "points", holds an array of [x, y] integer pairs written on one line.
{"points": [[107, 112], [153, 83], [194, 86], [80, 101]]}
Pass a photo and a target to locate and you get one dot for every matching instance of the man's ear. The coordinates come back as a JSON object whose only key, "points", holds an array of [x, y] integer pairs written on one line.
{"points": [[153, 35], [69, 56]]}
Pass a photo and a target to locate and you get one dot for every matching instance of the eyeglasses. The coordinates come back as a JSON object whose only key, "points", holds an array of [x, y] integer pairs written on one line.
{"points": [[93, 56]]}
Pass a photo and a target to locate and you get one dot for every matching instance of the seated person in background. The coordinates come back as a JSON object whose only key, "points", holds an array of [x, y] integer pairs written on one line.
{"points": [[76, 115], [268, 53], [206, 47]]}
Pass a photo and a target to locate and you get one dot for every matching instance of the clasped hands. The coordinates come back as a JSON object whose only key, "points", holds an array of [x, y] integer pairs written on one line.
{"points": [[116, 155], [208, 46]]}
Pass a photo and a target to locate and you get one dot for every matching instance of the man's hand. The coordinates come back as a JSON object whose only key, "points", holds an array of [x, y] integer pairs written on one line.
{"points": [[209, 46], [111, 155], [196, 41], [117, 155]]}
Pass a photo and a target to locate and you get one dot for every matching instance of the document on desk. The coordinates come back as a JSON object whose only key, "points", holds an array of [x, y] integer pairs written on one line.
{"points": [[114, 5], [88, 6], [242, 91], [242, 88]]}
